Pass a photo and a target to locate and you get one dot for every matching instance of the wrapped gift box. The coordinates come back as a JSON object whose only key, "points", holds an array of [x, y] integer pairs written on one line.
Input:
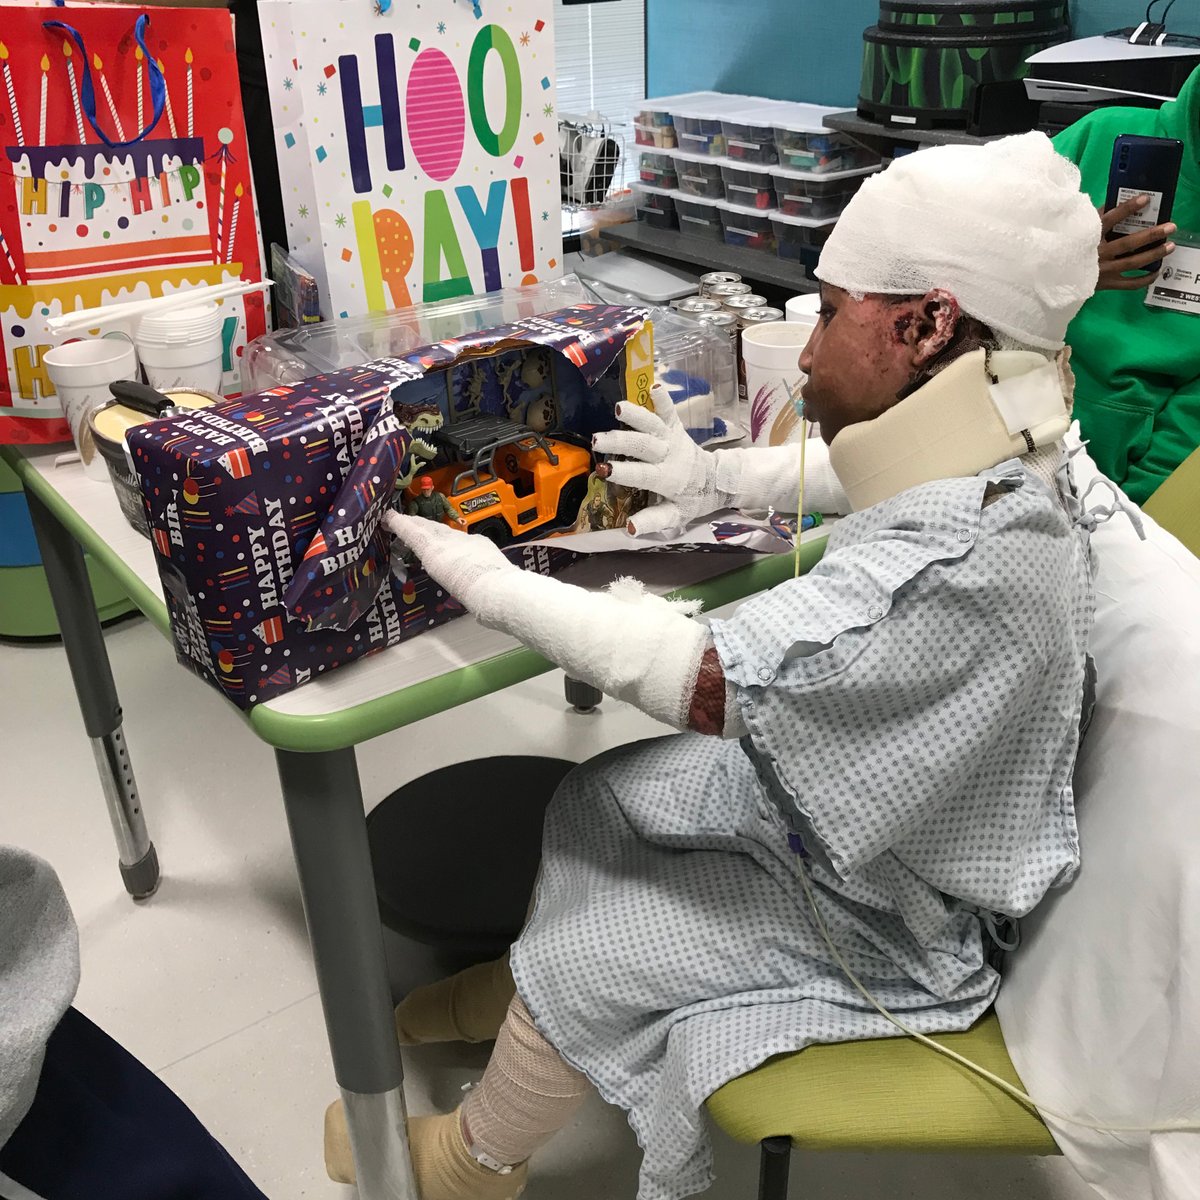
{"points": [[265, 511]]}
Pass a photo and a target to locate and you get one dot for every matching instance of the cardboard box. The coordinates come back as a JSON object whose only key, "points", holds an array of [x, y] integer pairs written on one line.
{"points": [[265, 511]]}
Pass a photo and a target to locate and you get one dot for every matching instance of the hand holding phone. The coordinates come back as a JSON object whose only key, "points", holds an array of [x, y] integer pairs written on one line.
{"points": [[1141, 166], [1141, 251]]}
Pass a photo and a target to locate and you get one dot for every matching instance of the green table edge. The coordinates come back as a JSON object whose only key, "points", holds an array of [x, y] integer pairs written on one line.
{"points": [[147, 600], [335, 731], [350, 726]]}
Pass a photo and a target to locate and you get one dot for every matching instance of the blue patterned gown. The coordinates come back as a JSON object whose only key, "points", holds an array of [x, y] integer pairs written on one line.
{"points": [[912, 707]]}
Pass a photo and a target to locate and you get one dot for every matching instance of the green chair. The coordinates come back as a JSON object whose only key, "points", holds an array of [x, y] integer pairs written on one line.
{"points": [[1175, 504], [888, 1094]]}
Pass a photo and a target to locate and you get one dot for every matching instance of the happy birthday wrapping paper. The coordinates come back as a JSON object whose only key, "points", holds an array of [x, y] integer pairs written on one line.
{"points": [[417, 144]]}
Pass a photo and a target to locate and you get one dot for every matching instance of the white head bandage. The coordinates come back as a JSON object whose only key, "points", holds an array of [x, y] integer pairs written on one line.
{"points": [[1004, 227]]}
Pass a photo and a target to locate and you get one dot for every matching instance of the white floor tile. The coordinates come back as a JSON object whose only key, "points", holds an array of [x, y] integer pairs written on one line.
{"points": [[210, 982]]}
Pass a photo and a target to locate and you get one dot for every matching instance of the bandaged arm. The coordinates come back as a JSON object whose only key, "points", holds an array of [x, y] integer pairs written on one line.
{"points": [[655, 453], [630, 644]]}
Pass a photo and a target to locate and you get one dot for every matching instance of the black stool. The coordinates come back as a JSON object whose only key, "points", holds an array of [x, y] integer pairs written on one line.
{"points": [[455, 853]]}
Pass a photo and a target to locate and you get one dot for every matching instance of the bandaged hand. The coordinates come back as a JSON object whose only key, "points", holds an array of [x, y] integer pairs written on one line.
{"points": [[459, 562], [662, 459], [627, 642], [693, 482]]}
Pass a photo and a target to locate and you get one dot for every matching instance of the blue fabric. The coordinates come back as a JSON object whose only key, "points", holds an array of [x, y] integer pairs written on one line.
{"points": [[102, 1125], [18, 546]]}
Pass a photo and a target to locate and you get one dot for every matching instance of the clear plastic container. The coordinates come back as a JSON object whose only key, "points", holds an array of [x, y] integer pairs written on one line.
{"points": [[655, 206], [658, 169], [750, 137], [700, 133], [699, 176], [291, 355], [661, 136], [803, 150], [699, 217], [800, 238], [802, 194], [746, 228], [659, 110], [695, 362], [749, 187]]}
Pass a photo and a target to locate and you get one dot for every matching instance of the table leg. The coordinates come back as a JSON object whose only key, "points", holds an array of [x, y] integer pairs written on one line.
{"points": [[324, 806], [71, 592]]}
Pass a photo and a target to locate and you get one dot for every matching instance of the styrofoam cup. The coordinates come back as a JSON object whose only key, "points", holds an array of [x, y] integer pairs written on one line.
{"points": [[803, 307], [771, 354], [182, 347], [81, 372]]}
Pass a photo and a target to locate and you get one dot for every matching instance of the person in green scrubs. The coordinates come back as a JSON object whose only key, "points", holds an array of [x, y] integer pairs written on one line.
{"points": [[1137, 369]]}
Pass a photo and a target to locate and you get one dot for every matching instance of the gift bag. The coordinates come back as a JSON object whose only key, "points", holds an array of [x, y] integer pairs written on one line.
{"points": [[126, 177], [418, 146]]}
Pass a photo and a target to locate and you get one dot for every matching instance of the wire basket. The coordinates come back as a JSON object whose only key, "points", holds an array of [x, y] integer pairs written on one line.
{"points": [[592, 162]]}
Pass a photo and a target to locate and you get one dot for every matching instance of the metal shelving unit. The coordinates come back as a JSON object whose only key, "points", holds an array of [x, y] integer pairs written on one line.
{"points": [[873, 133]]}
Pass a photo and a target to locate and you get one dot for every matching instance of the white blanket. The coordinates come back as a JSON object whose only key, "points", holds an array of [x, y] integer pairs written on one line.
{"points": [[1101, 1006]]}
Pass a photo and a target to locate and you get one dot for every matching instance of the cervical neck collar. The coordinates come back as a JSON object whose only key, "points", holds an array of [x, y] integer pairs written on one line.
{"points": [[957, 424]]}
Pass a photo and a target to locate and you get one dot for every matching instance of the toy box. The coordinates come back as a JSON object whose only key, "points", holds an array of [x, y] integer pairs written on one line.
{"points": [[265, 511]]}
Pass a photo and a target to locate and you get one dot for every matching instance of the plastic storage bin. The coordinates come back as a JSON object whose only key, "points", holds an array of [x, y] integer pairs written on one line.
{"points": [[801, 194], [800, 238], [661, 136], [699, 175], [747, 228], [657, 168], [803, 150], [655, 206], [748, 186], [700, 132], [699, 217], [750, 137]]}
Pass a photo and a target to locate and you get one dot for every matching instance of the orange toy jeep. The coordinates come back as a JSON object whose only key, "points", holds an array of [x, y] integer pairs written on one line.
{"points": [[507, 480]]}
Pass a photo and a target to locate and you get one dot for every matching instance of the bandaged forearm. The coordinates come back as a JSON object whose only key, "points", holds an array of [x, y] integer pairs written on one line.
{"points": [[769, 477], [630, 644]]}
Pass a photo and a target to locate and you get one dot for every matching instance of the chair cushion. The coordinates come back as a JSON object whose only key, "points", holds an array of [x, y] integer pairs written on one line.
{"points": [[885, 1094]]}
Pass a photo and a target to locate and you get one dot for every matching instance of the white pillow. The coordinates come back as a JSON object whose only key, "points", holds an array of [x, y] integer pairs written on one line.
{"points": [[1100, 1007]]}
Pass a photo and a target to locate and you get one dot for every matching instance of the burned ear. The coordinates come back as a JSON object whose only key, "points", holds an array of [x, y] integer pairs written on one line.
{"points": [[938, 322]]}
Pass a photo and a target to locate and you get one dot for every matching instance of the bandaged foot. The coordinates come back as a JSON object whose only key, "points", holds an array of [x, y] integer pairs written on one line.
{"points": [[443, 1167], [468, 1007]]}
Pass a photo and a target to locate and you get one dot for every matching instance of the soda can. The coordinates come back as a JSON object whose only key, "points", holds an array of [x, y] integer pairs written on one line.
{"points": [[713, 278], [745, 318], [726, 322], [735, 304], [722, 291], [695, 306]]}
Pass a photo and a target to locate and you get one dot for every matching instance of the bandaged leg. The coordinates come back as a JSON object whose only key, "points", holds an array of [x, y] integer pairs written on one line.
{"points": [[527, 1094], [443, 1168], [468, 1007]]}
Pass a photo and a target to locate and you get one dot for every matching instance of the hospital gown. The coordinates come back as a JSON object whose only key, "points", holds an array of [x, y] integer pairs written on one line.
{"points": [[912, 707]]}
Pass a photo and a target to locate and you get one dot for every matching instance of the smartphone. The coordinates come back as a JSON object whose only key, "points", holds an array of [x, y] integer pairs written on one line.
{"points": [[1143, 166]]}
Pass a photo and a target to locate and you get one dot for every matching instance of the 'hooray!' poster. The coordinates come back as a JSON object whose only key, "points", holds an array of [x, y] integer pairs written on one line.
{"points": [[418, 146], [124, 151]]}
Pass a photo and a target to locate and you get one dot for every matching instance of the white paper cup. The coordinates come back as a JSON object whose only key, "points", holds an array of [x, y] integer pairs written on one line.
{"points": [[182, 347], [81, 372], [771, 353], [803, 307]]}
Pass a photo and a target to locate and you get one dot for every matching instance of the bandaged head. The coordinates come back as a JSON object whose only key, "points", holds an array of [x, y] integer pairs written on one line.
{"points": [[1002, 226]]}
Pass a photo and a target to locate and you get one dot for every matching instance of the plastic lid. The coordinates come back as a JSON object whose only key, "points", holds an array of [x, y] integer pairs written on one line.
{"points": [[805, 118], [742, 211], [753, 168], [653, 188], [707, 201], [826, 176], [809, 222]]}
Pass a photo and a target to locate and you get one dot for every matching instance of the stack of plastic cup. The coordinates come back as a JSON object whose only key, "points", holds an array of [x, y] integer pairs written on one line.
{"points": [[181, 347], [81, 372]]}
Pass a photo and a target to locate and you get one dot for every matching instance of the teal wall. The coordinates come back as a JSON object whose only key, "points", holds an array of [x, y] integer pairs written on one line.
{"points": [[795, 49]]}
